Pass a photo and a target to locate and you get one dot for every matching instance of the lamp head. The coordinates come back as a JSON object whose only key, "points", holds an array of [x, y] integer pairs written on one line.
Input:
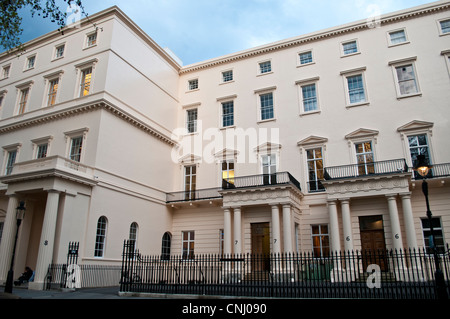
{"points": [[422, 166], [20, 211]]}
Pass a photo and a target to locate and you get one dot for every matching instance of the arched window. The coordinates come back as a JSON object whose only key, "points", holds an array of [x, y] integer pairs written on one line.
{"points": [[100, 239], [133, 234], [165, 246]]}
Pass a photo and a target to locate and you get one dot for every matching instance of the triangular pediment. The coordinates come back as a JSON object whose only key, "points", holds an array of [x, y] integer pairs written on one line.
{"points": [[267, 147], [190, 159], [361, 133], [415, 125], [312, 140], [226, 153]]}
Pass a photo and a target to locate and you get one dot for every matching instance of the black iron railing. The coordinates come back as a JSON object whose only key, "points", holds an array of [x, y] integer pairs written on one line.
{"points": [[366, 169], [198, 194], [404, 274], [438, 170], [279, 178]]}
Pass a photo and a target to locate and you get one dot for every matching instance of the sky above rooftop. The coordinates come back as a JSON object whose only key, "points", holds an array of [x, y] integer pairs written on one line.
{"points": [[198, 30]]}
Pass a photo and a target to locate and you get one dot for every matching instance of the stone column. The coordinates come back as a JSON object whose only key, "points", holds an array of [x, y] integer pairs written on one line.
{"points": [[409, 221], [287, 228], [347, 224], [47, 240], [334, 227], [227, 231], [395, 222], [237, 231], [8, 236], [275, 229]]}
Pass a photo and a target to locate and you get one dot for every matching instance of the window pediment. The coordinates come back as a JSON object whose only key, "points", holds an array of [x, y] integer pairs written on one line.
{"points": [[226, 153], [312, 140], [190, 159], [415, 125], [268, 147], [362, 133]]}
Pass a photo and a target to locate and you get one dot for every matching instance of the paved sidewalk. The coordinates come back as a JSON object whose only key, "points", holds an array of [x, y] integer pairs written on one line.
{"points": [[85, 293]]}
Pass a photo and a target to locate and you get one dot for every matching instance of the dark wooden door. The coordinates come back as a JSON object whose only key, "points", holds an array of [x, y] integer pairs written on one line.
{"points": [[260, 246], [373, 248]]}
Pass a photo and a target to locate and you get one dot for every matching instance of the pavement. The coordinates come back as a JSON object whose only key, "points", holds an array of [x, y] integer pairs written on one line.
{"points": [[83, 293]]}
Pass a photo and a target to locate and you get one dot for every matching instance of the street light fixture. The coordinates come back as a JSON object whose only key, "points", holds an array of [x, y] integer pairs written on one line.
{"points": [[20, 215], [423, 168]]}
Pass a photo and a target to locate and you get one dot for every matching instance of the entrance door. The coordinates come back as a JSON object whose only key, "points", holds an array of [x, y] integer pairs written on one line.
{"points": [[372, 241], [260, 246]]}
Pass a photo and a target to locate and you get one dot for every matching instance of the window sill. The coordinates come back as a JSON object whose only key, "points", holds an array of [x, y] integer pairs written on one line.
{"points": [[58, 58], [310, 113], [193, 90], [397, 44], [400, 97], [227, 82], [265, 121], [227, 127], [350, 54], [305, 64], [265, 73], [89, 47], [349, 106]]}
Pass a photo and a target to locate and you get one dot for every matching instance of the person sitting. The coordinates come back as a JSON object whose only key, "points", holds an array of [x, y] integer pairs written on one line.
{"points": [[24, 277]]}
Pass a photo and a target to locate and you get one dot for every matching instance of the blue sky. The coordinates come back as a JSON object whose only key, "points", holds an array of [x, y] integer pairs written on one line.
{"points": [[197, 30]]}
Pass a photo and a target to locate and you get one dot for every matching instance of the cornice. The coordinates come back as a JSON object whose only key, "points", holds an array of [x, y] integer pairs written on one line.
{"points": [[80, 109], [320, 35]]}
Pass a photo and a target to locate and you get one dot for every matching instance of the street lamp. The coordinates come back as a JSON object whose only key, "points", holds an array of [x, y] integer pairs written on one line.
{"points": [[20, 215], [423, 167]]}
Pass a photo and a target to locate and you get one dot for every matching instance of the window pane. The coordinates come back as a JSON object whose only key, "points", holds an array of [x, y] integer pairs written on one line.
{"points": [[85, 85], [266, 106], [398, 37], [356, 89], [265, 67], [309, 97], [52, 90], [445, 26], [350, 47], [228, 113], [227, 76], [306, 57], [75, 149], [406, 79]]}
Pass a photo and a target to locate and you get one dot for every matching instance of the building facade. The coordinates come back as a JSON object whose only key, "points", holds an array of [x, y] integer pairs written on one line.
{"points": [[306, 144]]}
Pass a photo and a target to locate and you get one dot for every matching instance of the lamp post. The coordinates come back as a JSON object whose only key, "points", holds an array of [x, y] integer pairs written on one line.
{"points": [[20, 214], [423, 167]]}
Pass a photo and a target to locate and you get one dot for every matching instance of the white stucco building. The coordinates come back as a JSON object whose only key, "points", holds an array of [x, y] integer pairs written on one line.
{"points": [[302, 144]]}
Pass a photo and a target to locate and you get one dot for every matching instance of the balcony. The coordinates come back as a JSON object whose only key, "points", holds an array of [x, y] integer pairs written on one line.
{"points": [[437, 171], [52, 166], [193, 195], [281, 178], [369, 169]]}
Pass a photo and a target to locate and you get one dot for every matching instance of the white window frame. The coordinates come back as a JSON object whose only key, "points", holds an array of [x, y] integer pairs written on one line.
{"points": [[191, 239], [299, 63], [258, 94], [87, 43], [193, 85], [2, 100], [350, 73], [28, 60], [343, 43], [80, 68], [103, 237], [70, 136], [7, 150], [187, 121], [446, 55], [389, 37], [56, 51], [47, 140], [440, 26], [260, 71], [320, 235], [221, 101], [301, 84], [222, 76], [401, 63], [20, 88], [6, 71], [314, 160]]}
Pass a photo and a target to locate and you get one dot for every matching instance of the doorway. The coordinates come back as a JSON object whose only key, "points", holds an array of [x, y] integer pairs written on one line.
{"points": [[260, 234], [373, 246]]}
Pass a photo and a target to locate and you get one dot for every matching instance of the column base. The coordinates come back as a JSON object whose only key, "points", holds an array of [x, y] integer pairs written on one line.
{"points": [[36, 285]]}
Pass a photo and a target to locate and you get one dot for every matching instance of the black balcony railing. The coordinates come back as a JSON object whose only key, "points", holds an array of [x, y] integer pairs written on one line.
{"points": [[198, 194], [280, 178], [438, 170], [366, 169]]}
